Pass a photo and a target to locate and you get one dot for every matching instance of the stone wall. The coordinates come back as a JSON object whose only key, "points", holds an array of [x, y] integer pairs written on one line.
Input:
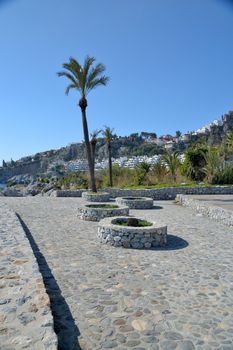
{"points": [[166, 193], [143, 203], [222, 215], [96, 197], [96, 214], [131, 237], [69, 193], [26, 321]]}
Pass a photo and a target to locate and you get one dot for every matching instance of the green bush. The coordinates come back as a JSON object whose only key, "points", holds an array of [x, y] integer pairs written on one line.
{"points": [[73, 181], [141, 172], [122, 177], [194, 163], [224, 177]]}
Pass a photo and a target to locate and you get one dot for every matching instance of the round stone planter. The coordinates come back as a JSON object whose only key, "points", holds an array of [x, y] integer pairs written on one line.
{"points": [[96, 197], [131, 237], [135, 202], [94, 212]]}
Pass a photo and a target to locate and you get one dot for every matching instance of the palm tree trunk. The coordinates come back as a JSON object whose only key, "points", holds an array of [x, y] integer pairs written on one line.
{"points": [[174, 177], [110, 164], [93, 148], [83, 105]]}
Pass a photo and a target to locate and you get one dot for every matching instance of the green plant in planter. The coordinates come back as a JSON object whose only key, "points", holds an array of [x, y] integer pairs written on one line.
{"points": [[132, 222], [134, 198], [102, 206]]}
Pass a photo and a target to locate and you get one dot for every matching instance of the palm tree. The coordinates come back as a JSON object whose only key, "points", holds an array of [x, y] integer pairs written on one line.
{"points": [[142, 170], [172, 162], [178, 133], [213, 162], [93, 142], [84, 79], [108, 134], [160, 171], [229, 142]]}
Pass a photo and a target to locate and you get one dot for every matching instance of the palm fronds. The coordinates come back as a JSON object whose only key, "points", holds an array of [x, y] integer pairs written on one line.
{"points": [[85, 78], [108, 133]]}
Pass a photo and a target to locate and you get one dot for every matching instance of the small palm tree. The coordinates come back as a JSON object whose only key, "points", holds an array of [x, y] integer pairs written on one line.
{"points": [[229, 142], [172, 162], [108, 135], [84, 79], [93, 141], [160, 171], [141, 172], [213, 162]]}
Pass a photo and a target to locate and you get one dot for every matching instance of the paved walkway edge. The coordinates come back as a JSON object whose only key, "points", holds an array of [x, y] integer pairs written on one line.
{"points": [[219, 214], [26, 321]]}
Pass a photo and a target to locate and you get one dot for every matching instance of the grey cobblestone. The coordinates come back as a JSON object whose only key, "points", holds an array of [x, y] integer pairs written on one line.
{"points": [[179, 296]]}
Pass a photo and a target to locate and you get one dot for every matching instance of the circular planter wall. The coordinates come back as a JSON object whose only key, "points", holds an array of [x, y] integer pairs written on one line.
{"points": [[94, 212], [109, 232], [96, 197], [136, 202]]}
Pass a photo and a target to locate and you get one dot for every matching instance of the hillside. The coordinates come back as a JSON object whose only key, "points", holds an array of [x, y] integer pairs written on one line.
{"points": [[54, 161]]}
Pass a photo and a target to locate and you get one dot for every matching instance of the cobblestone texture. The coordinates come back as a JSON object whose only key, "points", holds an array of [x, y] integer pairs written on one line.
{"points": [[26, 321], [177, 297]]}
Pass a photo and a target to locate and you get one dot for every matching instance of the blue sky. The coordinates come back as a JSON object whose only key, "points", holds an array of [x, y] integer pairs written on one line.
{"points": [[170, 64]]}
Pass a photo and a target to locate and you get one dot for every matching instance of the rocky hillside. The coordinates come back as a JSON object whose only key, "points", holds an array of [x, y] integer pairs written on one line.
{"points": [[52, 162], [44, 162]]}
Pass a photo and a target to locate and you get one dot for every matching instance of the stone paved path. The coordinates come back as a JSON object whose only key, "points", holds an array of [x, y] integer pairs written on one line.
{"points": [[180, 297]]}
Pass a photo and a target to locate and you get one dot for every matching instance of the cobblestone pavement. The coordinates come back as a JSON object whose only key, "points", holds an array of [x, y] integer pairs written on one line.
{"points": [[179, 297]]}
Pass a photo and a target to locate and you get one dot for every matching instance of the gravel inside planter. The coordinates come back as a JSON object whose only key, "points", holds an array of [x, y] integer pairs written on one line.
{"points": [[102, 206], [131, 222], [133, 198]]}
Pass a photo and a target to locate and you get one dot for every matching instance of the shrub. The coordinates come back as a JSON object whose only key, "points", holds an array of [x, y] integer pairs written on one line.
{"points": [[213, 163], [73, 180], [122, 177], [224, 177], [141, 172], [194, 163]]}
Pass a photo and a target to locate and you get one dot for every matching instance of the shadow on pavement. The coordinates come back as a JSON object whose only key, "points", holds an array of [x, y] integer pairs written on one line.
{"points": [[64, 324], [174, 243], [156, 207]]}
